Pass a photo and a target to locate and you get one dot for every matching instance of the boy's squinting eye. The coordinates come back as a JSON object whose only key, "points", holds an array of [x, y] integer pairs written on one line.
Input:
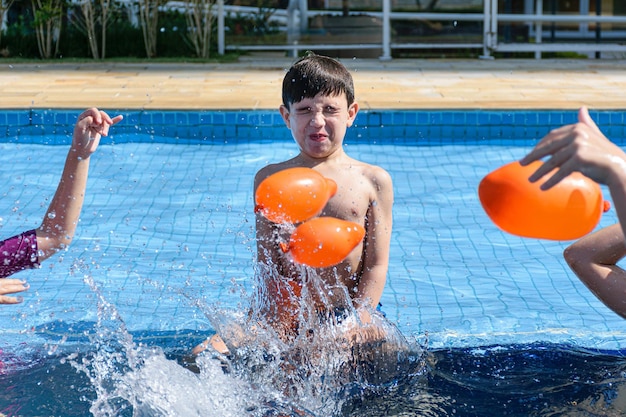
{"points": [[306, 110]]}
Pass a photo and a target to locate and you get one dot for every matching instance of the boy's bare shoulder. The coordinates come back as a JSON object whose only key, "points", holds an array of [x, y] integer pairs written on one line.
{"points": [[270, 169], [375, 173]]}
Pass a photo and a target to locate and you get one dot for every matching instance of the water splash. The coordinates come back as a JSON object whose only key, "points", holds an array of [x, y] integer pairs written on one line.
{"points": [[333, 358], [318, 373], [136, 380]]}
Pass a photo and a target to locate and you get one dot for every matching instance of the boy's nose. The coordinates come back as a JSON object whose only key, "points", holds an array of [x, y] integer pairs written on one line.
{"points": [[317, 119]]}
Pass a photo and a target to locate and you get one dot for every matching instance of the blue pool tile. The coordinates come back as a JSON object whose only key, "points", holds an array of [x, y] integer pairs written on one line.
{"points": [[473, 132], [193, 118], [520, 118], [506, 131], [433, 133], [229, 118], [435, 118], [205, 118], [494, 132], [157, 118], [458, 132], [168, 118], [253, 119], [387, 118], [431, 125], [243, 117], [616, 118], [173, 131], [507, 119], [397, 131], [230, 131], [411, 131], [373, 119], [267, 119], [603, 118], [471, 118], [423, 117], [18, 118], [569, 117], [277, 119], [37, 118], [374, 132], [543, 118], [484, 118], [244, 132], [204, 132], [130, 119]]}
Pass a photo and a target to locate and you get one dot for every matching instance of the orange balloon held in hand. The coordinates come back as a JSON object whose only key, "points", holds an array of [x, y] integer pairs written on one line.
{"points": [[323, 241], [569, 210], [293, 195]]}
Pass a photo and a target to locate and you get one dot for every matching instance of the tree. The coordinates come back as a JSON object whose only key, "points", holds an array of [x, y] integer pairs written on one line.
{"points": [[48, 19], [4, 7], [199, 15], [149, 17], [95, 15]]}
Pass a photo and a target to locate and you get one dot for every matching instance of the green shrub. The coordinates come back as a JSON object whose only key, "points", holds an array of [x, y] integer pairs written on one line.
{"points": [[171, 39], [19, 40]]}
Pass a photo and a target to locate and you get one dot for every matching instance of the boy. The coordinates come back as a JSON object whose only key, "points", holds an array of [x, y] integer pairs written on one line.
{"points": [[57, 229], [318, 107], [582, 147]]}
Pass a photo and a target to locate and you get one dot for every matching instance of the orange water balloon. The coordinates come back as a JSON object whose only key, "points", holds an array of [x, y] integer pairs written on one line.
{"points": [[323, 241], [293, 195], [569, 210]]}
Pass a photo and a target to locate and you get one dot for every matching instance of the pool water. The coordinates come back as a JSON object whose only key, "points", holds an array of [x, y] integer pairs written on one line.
{"points": [[499, 325]]}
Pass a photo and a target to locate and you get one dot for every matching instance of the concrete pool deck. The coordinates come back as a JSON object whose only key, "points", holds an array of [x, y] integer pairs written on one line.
{"points": [[254, 83]]}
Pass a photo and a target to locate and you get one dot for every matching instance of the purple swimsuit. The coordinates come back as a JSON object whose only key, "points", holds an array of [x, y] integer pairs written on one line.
{"points": [[18, 253]]}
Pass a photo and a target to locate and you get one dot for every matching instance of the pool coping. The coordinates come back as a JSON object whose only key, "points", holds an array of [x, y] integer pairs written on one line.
{"points": [[254, 83]]}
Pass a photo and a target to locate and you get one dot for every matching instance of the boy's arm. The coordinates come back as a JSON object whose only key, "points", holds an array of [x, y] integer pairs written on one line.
{"points": [[594, 260], [265, 241], [378, 224], [266, 246], [59, 223]]}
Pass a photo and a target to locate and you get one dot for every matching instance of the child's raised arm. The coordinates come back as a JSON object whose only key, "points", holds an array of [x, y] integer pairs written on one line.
{"points": [[59, 223]]}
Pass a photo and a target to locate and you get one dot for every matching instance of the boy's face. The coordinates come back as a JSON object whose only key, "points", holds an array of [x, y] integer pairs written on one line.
{"points": [[319, 124]]}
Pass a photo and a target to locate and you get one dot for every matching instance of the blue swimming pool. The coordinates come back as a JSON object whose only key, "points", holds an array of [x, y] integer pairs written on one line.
{"points": [[167, 229]]}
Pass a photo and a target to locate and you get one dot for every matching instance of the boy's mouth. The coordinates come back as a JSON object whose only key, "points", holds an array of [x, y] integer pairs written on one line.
{"points": [[317, 137]]}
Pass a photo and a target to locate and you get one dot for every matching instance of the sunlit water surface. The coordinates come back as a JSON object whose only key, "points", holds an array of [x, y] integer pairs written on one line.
{"points": [[164, 257]]}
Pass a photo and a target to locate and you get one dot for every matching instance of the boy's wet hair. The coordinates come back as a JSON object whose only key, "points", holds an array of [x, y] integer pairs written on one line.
{"points": [[314, 74]]}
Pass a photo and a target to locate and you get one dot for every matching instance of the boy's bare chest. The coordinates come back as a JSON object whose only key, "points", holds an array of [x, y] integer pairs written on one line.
{"points": [[351, 206]]}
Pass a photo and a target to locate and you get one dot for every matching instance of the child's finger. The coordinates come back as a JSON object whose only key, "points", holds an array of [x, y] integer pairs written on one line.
{"points": [[10, 300], [10, 286]]}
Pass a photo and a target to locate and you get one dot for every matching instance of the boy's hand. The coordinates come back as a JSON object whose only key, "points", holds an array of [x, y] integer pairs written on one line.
{"points": [[11, 286], [91, 125]]}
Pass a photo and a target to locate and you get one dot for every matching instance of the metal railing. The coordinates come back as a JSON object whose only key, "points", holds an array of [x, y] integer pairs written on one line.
{"points": [[296, 18]]}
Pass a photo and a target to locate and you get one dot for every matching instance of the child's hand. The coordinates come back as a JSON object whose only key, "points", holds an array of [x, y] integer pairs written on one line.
{"points": [[91, 125], [577, 147], [11, 286]]}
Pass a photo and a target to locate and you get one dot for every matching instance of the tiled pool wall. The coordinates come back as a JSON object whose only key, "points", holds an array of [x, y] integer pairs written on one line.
{"points": [[51, 126]]}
